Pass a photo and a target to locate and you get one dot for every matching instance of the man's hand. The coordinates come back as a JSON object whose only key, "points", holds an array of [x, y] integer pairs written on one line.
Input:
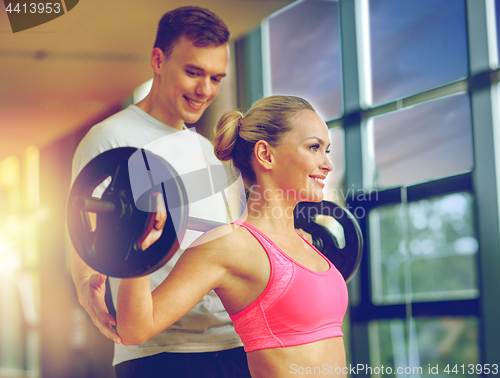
{"points": [[304, 234], [93, 301], [91, 291]]}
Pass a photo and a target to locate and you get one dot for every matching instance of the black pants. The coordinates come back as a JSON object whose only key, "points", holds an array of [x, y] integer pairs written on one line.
{"points": [[230, 363]]}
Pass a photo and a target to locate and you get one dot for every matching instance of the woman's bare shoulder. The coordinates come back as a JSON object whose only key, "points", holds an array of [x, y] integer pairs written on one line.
{"points": [[221, 238], [215, 250], [235, 250]]}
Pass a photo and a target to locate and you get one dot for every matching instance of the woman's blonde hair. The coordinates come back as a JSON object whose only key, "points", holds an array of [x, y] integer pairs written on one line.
{"points": [[268, 120]]}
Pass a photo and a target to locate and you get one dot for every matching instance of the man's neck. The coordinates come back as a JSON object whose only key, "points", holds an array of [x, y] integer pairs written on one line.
{"points": [[147, 105]]}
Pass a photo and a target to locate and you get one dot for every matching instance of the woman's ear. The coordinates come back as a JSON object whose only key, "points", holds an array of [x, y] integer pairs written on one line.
{"points": [[264, 154]]}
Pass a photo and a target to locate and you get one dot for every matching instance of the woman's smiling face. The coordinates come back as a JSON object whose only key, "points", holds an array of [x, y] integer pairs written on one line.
{"points": [[302, 158]]}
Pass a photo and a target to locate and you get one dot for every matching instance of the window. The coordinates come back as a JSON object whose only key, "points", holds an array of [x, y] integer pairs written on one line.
{"points": [[423, 347], [19, 277], [304, 46], [497, 19], [423, 142], [334, 183], [424, 250], [416, 46], [419, 132]]}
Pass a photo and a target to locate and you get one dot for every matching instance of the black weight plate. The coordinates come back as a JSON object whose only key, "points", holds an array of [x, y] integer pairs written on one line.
{"points": [[346, 259], [110, 248]]}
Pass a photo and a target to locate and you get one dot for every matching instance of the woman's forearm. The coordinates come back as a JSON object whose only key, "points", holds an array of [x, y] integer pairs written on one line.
{"points": [[134, 313]]}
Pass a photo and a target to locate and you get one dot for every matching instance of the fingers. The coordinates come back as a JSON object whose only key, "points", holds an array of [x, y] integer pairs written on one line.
{"points": [[109, 331], [304, 234], [97, 280], [155, 224], [161, 212], [107, 328]]}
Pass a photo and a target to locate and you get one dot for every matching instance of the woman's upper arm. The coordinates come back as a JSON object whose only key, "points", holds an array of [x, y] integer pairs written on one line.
{"points": [[199, 270]]}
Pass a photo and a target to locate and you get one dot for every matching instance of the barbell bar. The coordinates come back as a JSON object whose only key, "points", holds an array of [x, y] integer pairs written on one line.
{"points": [[94, 205], [127, 206]]}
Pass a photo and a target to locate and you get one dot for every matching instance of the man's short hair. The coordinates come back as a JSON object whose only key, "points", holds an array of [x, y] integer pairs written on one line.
{"points": [[199, 25]]}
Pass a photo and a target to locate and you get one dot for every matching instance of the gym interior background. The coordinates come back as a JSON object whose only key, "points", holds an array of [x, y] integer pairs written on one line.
{"points": [[409, 90]]}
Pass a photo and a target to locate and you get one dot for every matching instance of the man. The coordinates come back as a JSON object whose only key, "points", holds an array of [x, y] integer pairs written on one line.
{"points": [[189, 61]]}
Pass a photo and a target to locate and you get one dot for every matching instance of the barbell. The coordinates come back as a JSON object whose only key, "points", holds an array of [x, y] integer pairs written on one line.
{"points": [[127, 207]]}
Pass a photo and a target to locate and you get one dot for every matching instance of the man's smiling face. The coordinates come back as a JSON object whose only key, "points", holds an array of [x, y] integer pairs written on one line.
{"points": [[190, 79]]}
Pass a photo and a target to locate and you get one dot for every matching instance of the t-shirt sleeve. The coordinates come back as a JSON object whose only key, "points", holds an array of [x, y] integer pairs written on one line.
{"points": [[100, 138]]}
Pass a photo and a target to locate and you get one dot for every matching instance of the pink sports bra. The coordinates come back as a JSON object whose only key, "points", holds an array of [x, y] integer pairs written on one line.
{"points": [[298, 305]]}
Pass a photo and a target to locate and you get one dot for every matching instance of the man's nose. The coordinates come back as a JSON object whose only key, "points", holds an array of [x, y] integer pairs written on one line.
{"points": [[204, 89]]}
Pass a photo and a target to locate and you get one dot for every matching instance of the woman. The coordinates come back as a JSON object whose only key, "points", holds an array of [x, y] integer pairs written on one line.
{"points": [[286, 300]]}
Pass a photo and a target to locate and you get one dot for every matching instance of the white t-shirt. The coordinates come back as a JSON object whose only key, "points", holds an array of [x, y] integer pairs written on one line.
{"points": [[207, 326]]}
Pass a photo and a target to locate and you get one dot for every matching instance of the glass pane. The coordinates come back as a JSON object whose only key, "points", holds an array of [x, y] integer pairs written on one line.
{"points": [[334, 183], [19, 280], [11, 326], [416, 46], [424, 250], [424, 347], [423, 142], [305, 54], [497, 19], [387, 251], [335, 180]]}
